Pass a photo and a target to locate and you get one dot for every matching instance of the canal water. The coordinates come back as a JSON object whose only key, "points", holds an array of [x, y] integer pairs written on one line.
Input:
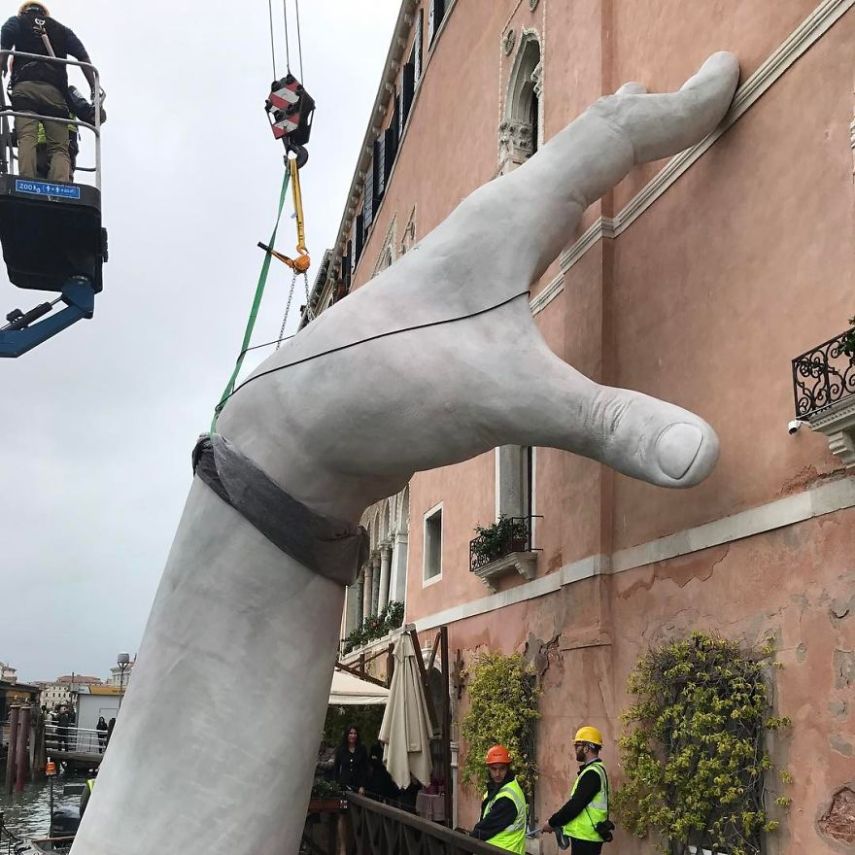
{"points": [[27, 814]]}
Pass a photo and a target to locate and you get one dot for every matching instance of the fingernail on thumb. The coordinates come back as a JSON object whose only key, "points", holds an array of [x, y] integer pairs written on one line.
{"points": [[677, 448]]}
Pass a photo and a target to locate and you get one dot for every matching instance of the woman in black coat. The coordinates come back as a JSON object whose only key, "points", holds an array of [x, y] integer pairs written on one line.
{"points": [[351, 761], [101, 727]]}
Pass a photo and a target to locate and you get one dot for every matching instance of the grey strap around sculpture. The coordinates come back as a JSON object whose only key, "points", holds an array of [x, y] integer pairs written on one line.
{"points": [[333, 548]]}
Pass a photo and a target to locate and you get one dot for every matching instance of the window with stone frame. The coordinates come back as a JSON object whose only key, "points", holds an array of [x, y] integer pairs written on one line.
{"points": [[432, 559], [521, 130]]}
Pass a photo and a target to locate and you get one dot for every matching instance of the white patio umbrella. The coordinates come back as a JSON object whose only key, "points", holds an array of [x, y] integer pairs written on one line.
{"points": [[406, 729], [349, 690]]}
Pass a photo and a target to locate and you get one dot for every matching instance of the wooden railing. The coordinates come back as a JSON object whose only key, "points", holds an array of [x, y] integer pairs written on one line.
{"points": [[381, 829]]}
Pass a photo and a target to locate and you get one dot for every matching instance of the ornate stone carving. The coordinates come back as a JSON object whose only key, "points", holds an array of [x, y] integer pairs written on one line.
{"points": [[515, 144], [508, 42], [537, 79]]}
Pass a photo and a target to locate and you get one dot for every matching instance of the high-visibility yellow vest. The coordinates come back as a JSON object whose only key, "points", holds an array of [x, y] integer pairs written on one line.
{"points": [[41, 138], [511, 838], [583, 826]]}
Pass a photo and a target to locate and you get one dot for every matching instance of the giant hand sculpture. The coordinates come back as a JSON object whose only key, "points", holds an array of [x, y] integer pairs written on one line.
{"points": [[217, 739]]}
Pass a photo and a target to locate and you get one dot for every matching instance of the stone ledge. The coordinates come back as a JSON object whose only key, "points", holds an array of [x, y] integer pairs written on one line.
{"points": [[837, 422], [524, 563]]}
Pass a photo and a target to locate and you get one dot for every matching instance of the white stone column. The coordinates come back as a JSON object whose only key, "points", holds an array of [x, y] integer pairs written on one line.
{"points": [[398, 584], [367, 588], [354, 607], [375, 590], [385, 572]]}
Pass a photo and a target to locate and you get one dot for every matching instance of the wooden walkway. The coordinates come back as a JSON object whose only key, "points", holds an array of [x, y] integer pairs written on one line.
{"points": [[82, 757]]}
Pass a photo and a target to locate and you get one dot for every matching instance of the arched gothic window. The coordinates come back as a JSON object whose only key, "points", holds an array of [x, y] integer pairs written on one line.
{"points": [[520, 133]]}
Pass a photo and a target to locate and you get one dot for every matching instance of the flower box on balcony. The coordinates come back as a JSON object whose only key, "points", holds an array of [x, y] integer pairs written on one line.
{"points": [[503, 548], [524, 563]]}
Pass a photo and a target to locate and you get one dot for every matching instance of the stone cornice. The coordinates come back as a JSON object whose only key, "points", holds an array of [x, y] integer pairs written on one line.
{"points": [[829, 498]]}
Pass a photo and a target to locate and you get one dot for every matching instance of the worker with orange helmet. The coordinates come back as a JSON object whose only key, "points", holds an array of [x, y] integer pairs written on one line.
{"points": [[583, 822], [504, 811]]}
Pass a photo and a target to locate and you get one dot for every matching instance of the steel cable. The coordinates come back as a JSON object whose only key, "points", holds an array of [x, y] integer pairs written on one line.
{"points": [[272, 42], [287, 37]]}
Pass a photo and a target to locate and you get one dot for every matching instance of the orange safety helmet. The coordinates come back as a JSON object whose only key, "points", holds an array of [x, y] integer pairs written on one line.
{"points": [[498, 754]]}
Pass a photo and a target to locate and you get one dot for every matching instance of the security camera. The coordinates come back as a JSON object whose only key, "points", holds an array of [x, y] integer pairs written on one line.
{"points": [[795, 424]]}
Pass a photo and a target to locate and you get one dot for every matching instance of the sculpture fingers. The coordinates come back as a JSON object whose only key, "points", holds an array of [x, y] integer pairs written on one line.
{"points": [[638, 435], [664, 124]]}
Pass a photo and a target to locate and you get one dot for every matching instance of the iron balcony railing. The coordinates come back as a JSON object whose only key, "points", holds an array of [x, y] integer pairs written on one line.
{"points": [[824, 375], [380, 829], [508, 535]]}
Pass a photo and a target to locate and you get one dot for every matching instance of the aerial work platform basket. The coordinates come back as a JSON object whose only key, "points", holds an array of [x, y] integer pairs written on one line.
{"points": [[51, 232]]}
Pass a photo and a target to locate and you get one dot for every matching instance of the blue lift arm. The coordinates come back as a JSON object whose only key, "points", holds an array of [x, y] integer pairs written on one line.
{"points": [[19, 335]]}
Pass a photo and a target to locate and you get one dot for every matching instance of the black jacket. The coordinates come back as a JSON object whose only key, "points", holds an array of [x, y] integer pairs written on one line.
{"points": [[501, 815], [19, 33], [351, 767], [379, 784], [588, 787]]}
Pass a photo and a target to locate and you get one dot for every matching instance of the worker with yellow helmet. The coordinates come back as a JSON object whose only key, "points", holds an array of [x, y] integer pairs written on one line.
{"points": [[503, 811], [583, 822]]}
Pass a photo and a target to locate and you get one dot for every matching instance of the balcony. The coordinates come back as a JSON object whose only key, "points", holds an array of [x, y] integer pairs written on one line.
{"points": [[824, 392], [502, 549]]}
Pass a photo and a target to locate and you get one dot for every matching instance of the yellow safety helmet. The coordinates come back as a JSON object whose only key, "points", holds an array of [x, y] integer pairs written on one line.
{"points": [[589, 734]]}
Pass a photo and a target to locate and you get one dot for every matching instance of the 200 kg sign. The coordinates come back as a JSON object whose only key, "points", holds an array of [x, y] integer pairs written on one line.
{"points": [[43, 188]]}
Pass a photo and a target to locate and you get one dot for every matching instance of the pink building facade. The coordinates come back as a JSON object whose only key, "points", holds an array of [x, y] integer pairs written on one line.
{"points": [[697, 280]]}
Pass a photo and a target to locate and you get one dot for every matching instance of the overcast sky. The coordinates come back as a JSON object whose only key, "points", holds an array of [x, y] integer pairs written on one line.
{"points": [[97, 425]]}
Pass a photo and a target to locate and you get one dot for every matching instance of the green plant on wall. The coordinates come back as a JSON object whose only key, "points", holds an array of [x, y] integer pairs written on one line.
{"points": [[847, 346], [694, 758], [503, 696], [375, 626]]}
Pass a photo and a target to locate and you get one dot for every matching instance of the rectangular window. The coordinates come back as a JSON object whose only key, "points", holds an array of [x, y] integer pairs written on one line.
{"points": [[347, 265], [368, 202], [359, 242], [437, 13], [379, 174], [433, 544], [390, 149], [396, 122], [408, 88]]}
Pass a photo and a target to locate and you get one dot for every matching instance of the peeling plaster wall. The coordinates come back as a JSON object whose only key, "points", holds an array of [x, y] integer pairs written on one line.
{"points": [[751, 590]]}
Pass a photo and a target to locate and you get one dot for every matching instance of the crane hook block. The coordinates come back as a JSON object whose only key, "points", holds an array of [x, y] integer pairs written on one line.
{"points": [[290, 110]]}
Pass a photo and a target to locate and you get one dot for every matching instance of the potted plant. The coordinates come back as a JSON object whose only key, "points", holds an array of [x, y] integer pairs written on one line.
{"points": [[506, 535]]}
